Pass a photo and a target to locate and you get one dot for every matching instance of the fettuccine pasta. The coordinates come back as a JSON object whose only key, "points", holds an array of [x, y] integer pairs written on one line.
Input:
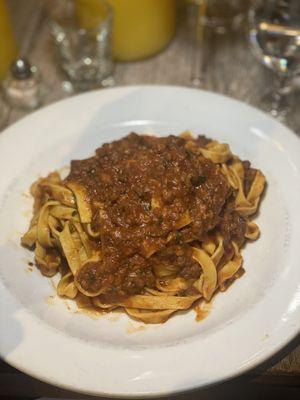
{"points": [[149, 225]]}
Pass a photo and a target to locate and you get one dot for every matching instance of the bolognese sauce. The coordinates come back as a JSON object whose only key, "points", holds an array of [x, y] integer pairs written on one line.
{"points": [[140, 187]]}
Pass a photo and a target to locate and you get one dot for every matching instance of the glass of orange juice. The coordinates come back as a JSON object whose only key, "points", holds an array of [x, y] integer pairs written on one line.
{"points": [[8, 48], [141, 27]]}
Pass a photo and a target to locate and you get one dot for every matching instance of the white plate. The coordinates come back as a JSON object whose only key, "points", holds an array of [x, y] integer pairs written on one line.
{"points": [[115, 356]]}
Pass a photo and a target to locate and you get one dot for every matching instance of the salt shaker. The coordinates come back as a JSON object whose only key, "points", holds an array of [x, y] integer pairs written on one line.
{"points": [[22, 88]]}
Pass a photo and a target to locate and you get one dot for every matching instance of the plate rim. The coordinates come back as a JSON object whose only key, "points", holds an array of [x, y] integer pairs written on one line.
{"points": [[129, 87]]}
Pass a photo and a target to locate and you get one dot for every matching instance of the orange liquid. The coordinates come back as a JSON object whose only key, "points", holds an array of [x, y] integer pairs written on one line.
{"points": [[8, 48], [141, 27]]}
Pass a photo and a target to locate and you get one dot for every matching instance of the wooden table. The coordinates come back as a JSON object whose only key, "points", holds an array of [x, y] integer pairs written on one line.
{"points": [[228, 67]]}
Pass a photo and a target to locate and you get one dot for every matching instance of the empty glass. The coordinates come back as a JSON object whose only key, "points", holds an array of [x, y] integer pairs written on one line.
{"points": [[275, 38], [83, 41], [221, 15], [207, 18]]}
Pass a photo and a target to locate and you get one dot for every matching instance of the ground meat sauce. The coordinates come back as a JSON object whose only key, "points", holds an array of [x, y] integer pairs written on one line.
{"points": [[140, 187], [232, 225]]}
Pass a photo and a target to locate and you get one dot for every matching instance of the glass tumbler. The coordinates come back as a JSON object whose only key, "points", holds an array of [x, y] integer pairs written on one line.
{"points": [[221, 15], [84, 50]]}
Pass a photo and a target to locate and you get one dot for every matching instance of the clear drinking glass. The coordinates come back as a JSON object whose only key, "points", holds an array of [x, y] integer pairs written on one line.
{"points": [[221, 15], [274, 29], [209, 17], [83, 42]]}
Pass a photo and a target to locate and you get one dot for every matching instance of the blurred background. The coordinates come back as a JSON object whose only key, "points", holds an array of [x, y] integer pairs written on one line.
{"points": [[245, 49]]}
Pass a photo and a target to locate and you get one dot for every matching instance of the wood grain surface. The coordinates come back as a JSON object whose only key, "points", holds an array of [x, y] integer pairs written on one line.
{"points": [[228, 67]]}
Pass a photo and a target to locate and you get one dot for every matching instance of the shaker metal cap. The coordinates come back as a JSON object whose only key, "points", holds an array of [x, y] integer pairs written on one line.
{"points": [[20, 69]]}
